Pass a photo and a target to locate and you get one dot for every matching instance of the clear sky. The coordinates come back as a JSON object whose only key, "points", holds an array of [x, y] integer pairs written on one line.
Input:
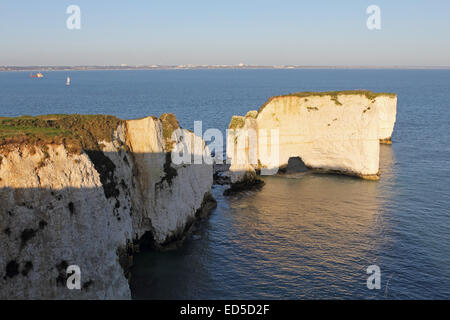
{"points": [[258, 32]]}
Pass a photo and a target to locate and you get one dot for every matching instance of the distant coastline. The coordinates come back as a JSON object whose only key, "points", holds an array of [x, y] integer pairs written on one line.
{"points": [[206, 67]]}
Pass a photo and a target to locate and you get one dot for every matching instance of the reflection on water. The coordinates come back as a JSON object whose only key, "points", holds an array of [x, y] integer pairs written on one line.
{"points": [[304, 235]]}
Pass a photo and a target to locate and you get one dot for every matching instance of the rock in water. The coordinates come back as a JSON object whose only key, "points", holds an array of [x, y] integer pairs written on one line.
{"points": [[329, 131]]}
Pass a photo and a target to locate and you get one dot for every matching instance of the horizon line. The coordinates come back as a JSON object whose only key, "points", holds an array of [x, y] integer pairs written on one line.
{"points": [[200, 66]]}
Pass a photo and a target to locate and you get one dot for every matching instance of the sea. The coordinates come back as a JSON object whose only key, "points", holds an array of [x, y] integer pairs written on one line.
{"points": [[304, 235]]}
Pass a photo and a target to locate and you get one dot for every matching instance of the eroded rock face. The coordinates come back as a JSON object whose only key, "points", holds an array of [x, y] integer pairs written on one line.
{"points": [[242, 147], [170, 194], [336, 132], [90, 209], [387, 115]]}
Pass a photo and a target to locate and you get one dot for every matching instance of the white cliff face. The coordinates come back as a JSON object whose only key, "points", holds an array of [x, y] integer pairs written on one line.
{"points": [[170, 197], [242, 147], [60, 209], [328, 132], [55, 214], [387, 110]]}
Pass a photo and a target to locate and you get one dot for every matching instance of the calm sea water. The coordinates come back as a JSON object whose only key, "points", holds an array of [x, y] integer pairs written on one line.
{"points": [[304, 236]]}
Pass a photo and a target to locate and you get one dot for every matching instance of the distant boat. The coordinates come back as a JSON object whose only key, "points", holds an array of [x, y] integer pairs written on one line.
{"points": [[37, 75], [68, 81]]}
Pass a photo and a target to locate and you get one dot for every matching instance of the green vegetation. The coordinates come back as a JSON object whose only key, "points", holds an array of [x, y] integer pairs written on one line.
{"points": [[237, 122], [252, 114], [334, 95], [170, 172], [44, 150], [169, 124], [7, 131], [336, 101], [75, 131]]}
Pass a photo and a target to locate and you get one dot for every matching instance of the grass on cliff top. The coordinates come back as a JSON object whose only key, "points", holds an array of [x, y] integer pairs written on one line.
{"points": [[333, 94], [75, 131], [169, 124], [236, 122], [252, 114]]}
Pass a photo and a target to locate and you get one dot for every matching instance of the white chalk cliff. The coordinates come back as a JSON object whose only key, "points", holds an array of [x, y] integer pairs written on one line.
{"points": [[330, 131], [60, 208]]}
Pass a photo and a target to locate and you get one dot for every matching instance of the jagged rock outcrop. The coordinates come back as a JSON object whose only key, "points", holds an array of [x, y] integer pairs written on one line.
{"points": [[330, 131], [61, 205]]}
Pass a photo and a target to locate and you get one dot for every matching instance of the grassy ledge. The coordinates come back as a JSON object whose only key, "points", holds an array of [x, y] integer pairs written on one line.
{"points": [[169, 124], [75, 131], [334, 95], [237, 122]]}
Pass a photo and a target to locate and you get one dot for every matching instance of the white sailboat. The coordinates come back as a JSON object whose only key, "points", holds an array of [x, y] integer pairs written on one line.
{"points": [[68, 81]]}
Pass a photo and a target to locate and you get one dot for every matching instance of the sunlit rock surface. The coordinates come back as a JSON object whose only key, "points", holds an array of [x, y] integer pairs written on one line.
{"points": [[90, 209], [334, 132]]}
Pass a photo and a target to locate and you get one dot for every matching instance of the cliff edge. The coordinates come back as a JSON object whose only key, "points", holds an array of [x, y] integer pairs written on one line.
{"points": [[86, 191]]}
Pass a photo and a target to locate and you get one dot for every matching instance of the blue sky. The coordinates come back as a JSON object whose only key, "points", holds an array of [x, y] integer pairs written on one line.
{"points": [[320, 32]]}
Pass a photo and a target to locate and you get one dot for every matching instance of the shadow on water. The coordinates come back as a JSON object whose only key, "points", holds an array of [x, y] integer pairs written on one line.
{"points": [[303, 235]]}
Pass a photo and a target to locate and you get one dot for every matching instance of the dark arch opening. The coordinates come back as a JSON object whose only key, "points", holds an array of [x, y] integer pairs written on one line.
{"points": [[294, 165]]}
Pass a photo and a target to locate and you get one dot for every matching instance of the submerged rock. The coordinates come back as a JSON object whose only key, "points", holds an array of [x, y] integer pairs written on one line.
{"points": [[221, 176], [244, 185]]}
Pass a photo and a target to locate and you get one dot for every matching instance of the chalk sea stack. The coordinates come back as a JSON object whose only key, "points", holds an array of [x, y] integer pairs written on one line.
{"points": [[336, 132]]}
